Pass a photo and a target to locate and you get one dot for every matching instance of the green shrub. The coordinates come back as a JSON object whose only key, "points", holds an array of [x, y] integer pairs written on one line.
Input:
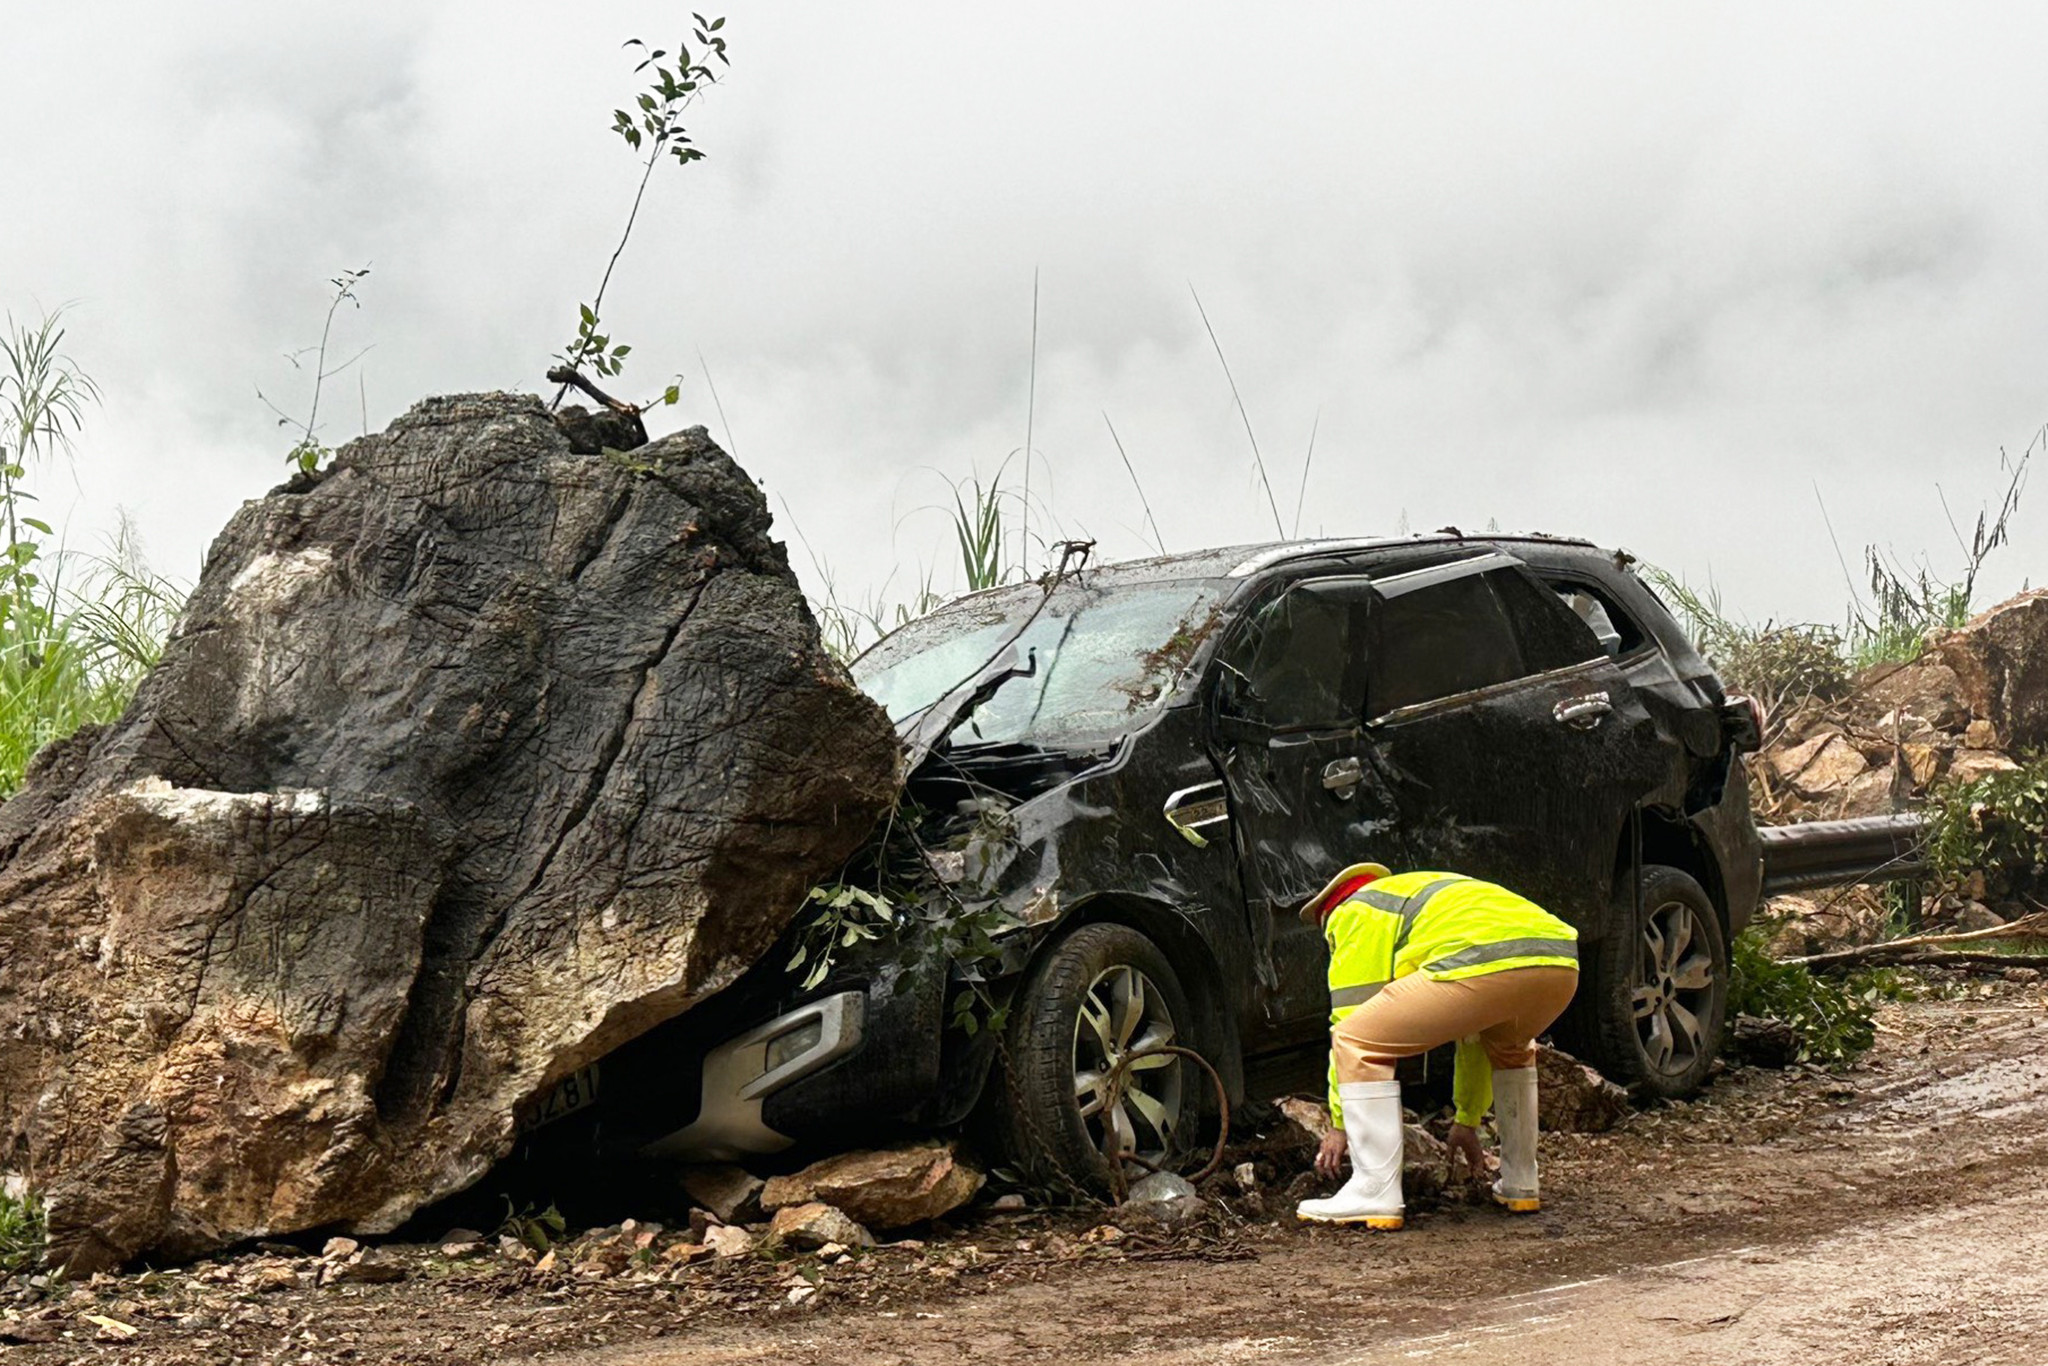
{"points": [[1782, 667], [1834, 1020], [1996, 826], [21, 1230]]}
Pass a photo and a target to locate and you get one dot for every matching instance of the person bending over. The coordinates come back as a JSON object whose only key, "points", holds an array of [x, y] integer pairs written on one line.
{"points": [[1418, 960]]}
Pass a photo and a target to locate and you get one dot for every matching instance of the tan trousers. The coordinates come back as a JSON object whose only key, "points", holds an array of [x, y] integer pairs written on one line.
{"points": [[1506, 1009]]}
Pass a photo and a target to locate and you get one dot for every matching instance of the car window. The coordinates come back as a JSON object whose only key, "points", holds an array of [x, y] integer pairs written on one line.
{"points": [[1296, 665], [1443, 638], [1551, 634], [1090, 657], [1613, 627]]}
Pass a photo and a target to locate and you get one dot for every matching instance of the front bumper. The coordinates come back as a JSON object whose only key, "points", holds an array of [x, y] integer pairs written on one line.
{"points": [[740, 1075]]}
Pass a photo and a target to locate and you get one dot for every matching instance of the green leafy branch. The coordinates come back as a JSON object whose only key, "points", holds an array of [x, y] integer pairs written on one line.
{"points": [[309, 451], [655, 126], [842, 917]]}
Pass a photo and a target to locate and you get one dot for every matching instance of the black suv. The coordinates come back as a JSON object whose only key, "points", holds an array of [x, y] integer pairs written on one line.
{"points": [[1148, 766]]}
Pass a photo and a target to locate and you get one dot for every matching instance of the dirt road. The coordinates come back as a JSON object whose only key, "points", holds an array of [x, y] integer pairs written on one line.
{"points": [[1890, 1215]]}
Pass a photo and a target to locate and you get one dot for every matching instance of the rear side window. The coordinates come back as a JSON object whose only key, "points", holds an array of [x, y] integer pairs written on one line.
{"points": [[1613, 627], [1438, 640], [1551, 634]]}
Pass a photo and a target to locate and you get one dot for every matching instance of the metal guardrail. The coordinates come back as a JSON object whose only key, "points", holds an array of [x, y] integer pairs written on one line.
{"points": [[1838, 853]]}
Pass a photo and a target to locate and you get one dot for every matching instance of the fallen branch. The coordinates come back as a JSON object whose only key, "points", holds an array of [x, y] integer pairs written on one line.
{"points": [[2027, 927], [1949, 958], [562, 374]]}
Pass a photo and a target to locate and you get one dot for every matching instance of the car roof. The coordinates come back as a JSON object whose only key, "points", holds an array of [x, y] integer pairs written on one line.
{"points": [[1252, 558], [1243, 561]]}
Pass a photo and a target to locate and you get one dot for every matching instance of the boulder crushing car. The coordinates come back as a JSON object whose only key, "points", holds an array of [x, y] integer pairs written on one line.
{"points": [[1134, 773]]}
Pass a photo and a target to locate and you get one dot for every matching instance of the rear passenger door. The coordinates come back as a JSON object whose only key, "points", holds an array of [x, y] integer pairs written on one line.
{"points": [[1514, 748]]}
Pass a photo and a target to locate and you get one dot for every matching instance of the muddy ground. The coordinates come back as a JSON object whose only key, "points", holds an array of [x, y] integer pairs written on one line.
{"points": [[1888, 1213]]}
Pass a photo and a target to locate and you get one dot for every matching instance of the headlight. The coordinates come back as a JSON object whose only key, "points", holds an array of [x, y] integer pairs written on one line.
{"points": [[793, 1043]]}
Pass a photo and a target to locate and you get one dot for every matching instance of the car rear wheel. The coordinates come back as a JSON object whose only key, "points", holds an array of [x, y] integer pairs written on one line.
{"points": [[1653, 1000], [1078, 1081]]}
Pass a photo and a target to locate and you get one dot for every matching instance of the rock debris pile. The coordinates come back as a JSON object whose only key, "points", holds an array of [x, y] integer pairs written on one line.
{"points": [[1978, 696]]}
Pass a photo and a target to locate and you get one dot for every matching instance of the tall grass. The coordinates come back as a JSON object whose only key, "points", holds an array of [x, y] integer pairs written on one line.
{"points": [[1908, 599], [77, 632], [95, 626], [1785, 666]]}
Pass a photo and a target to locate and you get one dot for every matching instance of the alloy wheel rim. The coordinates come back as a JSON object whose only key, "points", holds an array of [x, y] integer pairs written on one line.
{"points": [[1674, 988], [1128, 1103]]}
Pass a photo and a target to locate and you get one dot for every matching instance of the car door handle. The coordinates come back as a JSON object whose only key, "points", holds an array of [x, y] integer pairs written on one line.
{"points": [[1583, 713], [1342, 777]]}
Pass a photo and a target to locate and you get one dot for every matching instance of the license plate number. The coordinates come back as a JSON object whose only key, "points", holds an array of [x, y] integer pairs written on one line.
{"points": [[577, 1091]]}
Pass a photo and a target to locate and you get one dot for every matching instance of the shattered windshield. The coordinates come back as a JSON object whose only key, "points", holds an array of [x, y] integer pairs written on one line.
{"points": [[1098, 653]]}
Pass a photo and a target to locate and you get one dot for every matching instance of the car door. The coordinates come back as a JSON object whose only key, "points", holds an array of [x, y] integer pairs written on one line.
{"points": [[1287, 718], [1513, 746]]}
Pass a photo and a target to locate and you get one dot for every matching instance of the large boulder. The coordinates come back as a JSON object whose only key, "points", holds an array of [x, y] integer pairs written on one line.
{"points": [[2000, 660], [468, 760]]}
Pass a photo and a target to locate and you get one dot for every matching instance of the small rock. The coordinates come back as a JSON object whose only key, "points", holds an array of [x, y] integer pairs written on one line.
{"points": [[2021, 975], [371, 1266], [1980, 734], [547, 1263], [458, 1251], [1246, 1175], [1763, 1042], [814, 1225], [110, 1329], [1822, 764], [1007, 1203], [702, 1221], [1311, 1117], [732, 1193], [338, 1248], [461, 1235], [1572, 1098], [514, 1250], [682, 1254], [1925, 763], [274, 1276], [1971, 764], [1425, 1162], [730, 1240], [1975, 915], [28, 1331], [887, 1188]]}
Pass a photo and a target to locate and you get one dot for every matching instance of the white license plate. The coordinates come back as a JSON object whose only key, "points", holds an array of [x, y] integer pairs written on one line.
{"points": [[577, 1091]]}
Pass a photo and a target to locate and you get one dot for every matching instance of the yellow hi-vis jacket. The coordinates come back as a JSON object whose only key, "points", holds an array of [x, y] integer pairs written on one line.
{"points": [[1446, 927]]}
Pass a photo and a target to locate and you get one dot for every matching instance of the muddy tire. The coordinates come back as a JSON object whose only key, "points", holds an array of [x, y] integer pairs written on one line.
{"points": [[1653, 998], [1101, 993]]}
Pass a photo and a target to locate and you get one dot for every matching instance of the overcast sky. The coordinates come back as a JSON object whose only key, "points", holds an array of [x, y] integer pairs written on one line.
{"points": [[1655, 275]]}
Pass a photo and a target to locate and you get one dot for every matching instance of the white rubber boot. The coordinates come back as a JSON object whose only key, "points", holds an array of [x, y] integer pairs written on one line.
{"points": [[1372, 1129], [1514, 1110]]}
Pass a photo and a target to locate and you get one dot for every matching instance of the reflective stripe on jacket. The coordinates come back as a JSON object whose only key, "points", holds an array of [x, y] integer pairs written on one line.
{"points": [[1446, 927]]}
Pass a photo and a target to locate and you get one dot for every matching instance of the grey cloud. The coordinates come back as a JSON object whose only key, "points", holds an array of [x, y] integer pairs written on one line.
{"points": [[1648, 274]]}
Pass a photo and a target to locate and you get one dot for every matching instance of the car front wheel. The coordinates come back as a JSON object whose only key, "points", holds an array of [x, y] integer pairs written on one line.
{"points": [[1078, 1079], [1654, 999]]}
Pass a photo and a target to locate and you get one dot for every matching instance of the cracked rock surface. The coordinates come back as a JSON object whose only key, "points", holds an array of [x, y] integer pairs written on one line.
{"points": [[469, 760]]}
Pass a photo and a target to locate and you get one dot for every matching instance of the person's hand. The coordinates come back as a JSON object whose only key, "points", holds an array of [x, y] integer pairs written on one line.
{"points": [[1465, 1146], [1332, 1156]]}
